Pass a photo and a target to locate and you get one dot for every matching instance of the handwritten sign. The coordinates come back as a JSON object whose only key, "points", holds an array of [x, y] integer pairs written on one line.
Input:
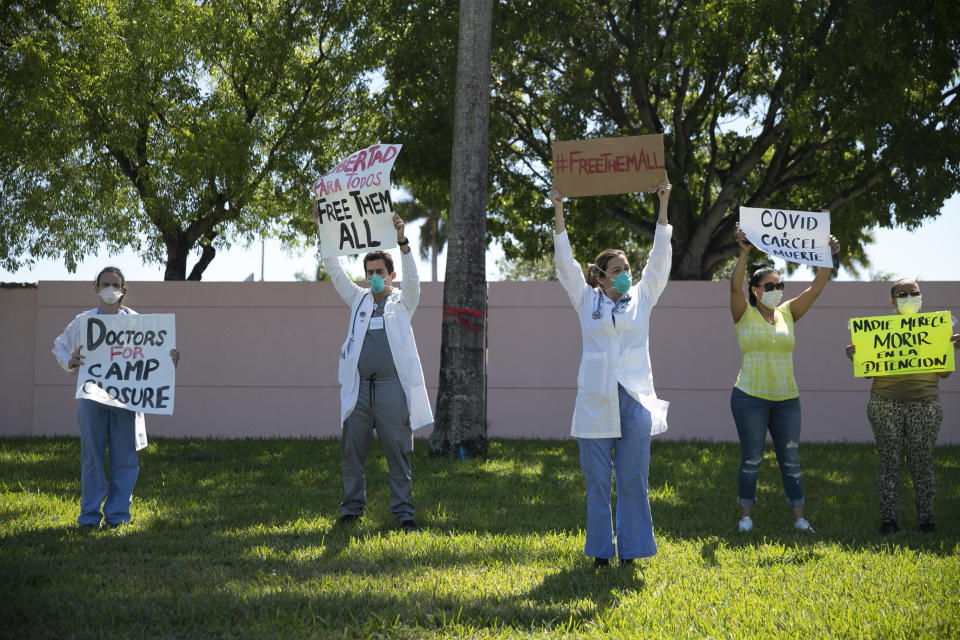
{"points": [[608, 165], [894, 345], [353, 199], [127, 361], [797, 236]]}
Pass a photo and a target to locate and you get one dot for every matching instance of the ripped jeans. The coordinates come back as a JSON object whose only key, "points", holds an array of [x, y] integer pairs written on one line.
{"points": [[754, 417]]}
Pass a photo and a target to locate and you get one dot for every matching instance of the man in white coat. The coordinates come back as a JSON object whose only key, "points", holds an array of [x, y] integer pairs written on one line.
{"points": [[381, 379]]}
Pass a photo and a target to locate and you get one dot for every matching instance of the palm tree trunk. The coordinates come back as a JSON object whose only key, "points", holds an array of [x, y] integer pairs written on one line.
{"points": [[461, 418]]}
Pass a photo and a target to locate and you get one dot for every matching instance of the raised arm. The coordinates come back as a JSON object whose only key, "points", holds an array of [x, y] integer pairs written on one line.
{"points": [[410, 294], [568, 269], [800, 304], [738, 300], [656, 273]]}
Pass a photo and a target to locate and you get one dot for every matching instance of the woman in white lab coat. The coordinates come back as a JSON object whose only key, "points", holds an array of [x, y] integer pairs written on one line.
{"points": [[617, 409], [102, 426]]}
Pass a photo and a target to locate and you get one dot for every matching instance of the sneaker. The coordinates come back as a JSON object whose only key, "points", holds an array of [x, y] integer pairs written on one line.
{"points": [[801, 524], [927, 526], [600, 562], [350, 518], [409, 526], [888, 526], [745, 524]]}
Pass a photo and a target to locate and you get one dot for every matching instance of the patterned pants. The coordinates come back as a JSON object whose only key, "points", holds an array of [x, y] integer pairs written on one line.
{"points": [[910, 428]]}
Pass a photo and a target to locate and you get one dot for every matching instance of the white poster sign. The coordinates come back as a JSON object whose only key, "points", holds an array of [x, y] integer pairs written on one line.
{"points": [[126, 361], [353, 200], [797, 236]]}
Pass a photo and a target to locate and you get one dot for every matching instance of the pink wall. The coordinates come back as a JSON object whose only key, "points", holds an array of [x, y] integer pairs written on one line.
{"points": [[259, 359]]}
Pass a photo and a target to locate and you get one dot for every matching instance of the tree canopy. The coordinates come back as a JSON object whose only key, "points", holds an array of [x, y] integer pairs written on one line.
{"points": [[172, 126], [845, 105]]}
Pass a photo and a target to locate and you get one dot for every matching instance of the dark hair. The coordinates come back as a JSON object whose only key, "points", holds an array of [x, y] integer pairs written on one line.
{"points": [[893, 289], [378, 255], [114, 270], [758, 271], [599, 266]]}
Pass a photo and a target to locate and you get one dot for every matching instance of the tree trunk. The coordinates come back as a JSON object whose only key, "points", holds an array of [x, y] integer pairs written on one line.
{"points": [[461, 420], [177, 252]]}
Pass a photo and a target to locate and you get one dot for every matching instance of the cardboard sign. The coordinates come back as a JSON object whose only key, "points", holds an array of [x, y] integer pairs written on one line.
{"points": [[353, 198], [608, 165], [797, 236], [126, 361], [894, 345]]}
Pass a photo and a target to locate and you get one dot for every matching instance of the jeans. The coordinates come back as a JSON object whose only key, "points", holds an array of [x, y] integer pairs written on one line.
{"points": [[754, 417], [629, 456], [102, 426]]}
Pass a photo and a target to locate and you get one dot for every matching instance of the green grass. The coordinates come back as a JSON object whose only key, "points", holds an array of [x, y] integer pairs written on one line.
{"points": [[237, 538]]}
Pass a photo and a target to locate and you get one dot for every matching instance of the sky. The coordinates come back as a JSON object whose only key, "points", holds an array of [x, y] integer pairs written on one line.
{"points": [[930, 252]]}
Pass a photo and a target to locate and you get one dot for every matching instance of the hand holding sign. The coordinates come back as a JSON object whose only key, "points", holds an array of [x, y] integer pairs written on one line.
{"points": [[798, 236], [76, 360]]}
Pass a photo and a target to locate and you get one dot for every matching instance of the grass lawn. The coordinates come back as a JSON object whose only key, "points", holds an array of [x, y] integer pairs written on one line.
{"points": [[237, 539]]}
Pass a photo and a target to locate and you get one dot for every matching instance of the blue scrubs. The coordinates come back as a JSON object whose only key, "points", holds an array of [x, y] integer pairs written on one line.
{"points": [[102, 426], [629, 455]]}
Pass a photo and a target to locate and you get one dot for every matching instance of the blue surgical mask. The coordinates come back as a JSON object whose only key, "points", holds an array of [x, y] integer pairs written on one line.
{"points": [[377, 283], [622, 282]]}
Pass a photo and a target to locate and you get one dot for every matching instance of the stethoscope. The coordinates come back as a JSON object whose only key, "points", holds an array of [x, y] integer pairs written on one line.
{"points": [[353, 324], [618, 307]]}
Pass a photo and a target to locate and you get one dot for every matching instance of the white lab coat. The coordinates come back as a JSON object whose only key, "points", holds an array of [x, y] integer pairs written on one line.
{"points": [[72, 336], [397, 315], [615, 353]]}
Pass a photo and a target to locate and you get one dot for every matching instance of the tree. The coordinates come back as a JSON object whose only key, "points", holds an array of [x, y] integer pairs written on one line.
{"points": [[849, 106], [172, 127], [461, 425]]}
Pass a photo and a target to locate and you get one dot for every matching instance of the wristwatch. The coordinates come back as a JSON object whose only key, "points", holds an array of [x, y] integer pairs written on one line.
{"points": [[405, 242]]}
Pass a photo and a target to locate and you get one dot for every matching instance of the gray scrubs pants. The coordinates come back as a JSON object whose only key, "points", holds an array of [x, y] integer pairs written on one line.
{"points": [[381, 405]]}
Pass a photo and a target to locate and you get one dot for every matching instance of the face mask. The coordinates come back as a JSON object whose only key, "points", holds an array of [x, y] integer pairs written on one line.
{"points": [[910, 305], [377, 283], [110, 295], [622, 282], [771, 299]]}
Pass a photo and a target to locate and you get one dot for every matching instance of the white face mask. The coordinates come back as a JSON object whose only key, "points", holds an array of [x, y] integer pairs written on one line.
{"points": [[110, 295], [909, 305], [771, 299]]}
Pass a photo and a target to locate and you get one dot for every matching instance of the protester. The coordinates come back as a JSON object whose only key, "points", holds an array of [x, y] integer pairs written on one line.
{"points": [[765, 396], [617, 409], [382, 385], [103, 426], [905, 414]]}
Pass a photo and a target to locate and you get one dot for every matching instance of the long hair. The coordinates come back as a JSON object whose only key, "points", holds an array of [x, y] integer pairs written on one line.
{"points": [[758, 271], [596, 270]]}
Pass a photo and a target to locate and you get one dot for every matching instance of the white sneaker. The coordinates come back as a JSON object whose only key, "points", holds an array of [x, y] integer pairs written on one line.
{"points": [[801, 524], [745, 524]]}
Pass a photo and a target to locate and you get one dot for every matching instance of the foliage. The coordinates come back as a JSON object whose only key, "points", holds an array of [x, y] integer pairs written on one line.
{"points": [[237, 538], [523, 270], [172, 126], [847, 105]]}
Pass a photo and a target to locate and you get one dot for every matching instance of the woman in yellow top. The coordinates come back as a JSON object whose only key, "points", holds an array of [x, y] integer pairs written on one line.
{"points": [[905, 414], [765, 396]]}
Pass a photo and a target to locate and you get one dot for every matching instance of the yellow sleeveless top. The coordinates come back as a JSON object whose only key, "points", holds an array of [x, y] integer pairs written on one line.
{"points": [[766, 367]]}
